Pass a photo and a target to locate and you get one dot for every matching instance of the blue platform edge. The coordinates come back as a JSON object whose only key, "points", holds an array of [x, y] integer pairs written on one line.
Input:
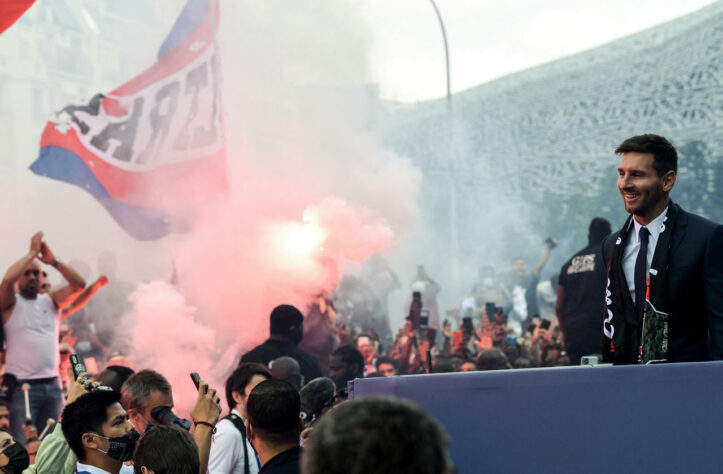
{"points": [[604, 419]]}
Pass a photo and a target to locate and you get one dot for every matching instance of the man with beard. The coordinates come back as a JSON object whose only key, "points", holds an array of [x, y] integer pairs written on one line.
{"points": [[345, 364], [287, 330], [31, 322], [664, 299]]}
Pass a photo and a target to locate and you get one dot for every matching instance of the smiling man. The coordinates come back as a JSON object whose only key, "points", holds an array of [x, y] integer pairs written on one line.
{"points": [[664, 298]]}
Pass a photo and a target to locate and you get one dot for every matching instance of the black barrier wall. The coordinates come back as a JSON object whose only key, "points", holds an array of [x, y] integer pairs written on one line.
{"points": [[624, 419]]}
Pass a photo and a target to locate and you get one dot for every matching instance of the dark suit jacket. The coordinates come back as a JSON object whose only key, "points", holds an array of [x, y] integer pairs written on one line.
{"points": [[695, 289]]}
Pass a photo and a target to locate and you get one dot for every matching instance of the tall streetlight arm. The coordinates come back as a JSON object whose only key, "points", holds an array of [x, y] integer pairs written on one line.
{"points": [[446, 52]]}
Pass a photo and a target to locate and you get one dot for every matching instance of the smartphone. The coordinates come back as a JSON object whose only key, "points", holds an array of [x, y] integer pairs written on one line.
{"points": [[424, 319], [490, 309], [78, 364], [545, 324], [467, 325], [196, 379]]}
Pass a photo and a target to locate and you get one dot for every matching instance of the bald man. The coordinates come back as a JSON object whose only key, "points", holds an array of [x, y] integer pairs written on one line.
{"points": [[31, 321]]}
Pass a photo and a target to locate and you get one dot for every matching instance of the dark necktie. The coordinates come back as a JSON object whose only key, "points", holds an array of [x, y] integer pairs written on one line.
{"points": [[641, 274]]}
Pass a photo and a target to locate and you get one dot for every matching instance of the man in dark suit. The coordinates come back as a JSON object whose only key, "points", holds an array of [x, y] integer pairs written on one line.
{"points": [[664, 297]]}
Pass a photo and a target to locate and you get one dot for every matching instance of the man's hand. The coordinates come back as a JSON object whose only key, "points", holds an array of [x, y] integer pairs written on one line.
{"points": [[77, 387], [66, 342], [343, 334], [538, 333], [36, 242], [46, 255], [208, 405]]}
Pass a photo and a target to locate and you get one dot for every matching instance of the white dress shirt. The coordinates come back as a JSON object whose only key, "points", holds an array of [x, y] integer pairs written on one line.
{"points": [[81, 468], [633, 245], [227, 450]]}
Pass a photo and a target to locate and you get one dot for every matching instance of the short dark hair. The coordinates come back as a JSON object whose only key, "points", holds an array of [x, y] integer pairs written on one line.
{"points": [[239, 378], [285, 320], [386, 360], [665, 157], [598, 230], [273, 410], [376, 434], [492, 359], [138, 387], [317, 394], [167, 450], [114, 376], [350, 355], [288, 369], [86, 414]]}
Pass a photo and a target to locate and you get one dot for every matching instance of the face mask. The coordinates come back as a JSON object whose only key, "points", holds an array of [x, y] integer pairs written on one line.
{"points": [[18, 458], [488, 282], [121, 447]]}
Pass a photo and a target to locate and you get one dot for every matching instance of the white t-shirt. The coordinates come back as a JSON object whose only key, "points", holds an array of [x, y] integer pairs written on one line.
{"points": [[31, 337], [227, 450]]}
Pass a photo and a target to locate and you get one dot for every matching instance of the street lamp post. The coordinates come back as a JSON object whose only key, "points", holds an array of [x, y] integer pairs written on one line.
{"points": [[454, 239]]}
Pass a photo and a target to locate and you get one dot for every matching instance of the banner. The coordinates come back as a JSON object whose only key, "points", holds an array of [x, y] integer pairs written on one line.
{"points": [[11, 10], [151, 151]]}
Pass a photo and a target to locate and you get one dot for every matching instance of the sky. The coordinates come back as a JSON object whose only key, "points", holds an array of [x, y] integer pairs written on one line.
{"points": [[492, 38]]}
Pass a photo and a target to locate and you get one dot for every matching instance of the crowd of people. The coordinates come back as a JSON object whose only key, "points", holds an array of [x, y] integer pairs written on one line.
{"points": [[106, 417], [286, 403]]}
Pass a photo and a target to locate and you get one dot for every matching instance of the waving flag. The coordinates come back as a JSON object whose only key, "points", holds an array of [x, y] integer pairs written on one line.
{"points": [[152, 151], [11, 10]]}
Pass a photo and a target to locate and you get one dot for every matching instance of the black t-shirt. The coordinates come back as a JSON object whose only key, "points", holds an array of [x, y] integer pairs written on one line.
{"points": [[286, 462], [273, 349], [581, 310]]}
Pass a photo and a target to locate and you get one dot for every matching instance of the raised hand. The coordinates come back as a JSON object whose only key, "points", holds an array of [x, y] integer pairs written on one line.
{"points": [[36, 242], [208, 405], [46, 255]]}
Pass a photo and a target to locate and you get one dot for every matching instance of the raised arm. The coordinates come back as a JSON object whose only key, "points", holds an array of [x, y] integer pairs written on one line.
{"points": [[75, 281], [82, 299], [550, 244], [7, 292], [205, 415]]}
